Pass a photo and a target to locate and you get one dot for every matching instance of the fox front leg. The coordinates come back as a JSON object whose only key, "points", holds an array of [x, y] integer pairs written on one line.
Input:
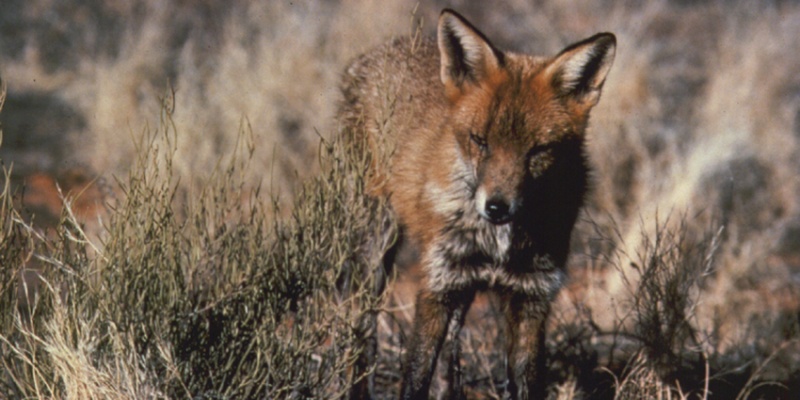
{"points": [[451, 354], [526, 363], [434, 311]]}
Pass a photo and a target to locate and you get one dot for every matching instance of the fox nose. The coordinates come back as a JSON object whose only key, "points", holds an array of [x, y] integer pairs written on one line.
{"points": [[498, 210]]}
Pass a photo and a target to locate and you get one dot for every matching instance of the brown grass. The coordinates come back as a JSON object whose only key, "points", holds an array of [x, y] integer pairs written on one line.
{"points": [[686, 264]]}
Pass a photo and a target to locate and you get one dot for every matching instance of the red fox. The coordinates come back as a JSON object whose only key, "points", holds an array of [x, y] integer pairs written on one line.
{"points": [[486, 178]]}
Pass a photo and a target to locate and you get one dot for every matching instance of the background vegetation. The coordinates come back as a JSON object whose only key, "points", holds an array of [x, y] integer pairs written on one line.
{"points": [[177, 216]]}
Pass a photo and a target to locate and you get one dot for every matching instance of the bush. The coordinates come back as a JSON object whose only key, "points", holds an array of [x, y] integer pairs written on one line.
{"points": [[193, 292]]}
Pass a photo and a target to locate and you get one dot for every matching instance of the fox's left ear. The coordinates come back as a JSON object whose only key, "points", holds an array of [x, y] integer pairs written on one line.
{"points": [[580, 70]]}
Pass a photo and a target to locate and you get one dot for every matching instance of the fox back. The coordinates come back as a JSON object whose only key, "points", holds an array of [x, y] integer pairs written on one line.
{"points": [[487, 171]]}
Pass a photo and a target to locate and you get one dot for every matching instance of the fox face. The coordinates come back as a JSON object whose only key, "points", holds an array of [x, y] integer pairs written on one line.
{"points": [[517, 119], [510, 148]]}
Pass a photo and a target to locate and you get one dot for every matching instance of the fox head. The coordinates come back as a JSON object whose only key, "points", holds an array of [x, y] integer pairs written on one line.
{"points": [[518, 119]]}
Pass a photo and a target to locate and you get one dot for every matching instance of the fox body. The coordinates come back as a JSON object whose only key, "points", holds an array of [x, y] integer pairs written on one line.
{"points": [[486, 179]]}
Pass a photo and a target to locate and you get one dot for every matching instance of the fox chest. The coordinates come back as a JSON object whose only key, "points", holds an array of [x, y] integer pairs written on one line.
{"points": [[460, 249], [486, 256]]}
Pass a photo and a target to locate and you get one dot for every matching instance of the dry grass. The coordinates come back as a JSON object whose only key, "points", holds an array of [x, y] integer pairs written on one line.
{"points": [[213, 268], [198, 296]]}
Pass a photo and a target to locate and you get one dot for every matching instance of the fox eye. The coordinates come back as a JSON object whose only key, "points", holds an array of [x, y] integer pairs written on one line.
{"points": [[479, 141], [539, 161]]}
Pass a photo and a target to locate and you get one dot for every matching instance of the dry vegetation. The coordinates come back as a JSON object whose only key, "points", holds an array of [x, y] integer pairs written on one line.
{"points": [[206, 233]]}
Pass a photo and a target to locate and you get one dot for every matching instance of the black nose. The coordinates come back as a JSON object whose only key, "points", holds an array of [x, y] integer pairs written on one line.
{"points": [[498, 210]]}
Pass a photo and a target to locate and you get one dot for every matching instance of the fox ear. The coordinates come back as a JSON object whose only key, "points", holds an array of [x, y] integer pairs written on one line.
{"points": [[580, 70], [466, 54]]}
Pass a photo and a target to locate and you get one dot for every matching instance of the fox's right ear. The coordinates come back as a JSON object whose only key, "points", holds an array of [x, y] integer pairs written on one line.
{"points": [[467, 57]]}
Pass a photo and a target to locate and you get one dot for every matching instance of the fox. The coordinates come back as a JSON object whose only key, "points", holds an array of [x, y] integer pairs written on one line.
{"points": [[485, 178]]}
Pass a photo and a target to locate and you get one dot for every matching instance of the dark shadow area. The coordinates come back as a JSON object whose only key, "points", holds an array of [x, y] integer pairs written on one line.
{"points": [[35, 130]]}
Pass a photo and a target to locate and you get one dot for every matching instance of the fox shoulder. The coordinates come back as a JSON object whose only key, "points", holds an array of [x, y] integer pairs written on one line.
{"points": [[392, 80], [393, 65]]}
